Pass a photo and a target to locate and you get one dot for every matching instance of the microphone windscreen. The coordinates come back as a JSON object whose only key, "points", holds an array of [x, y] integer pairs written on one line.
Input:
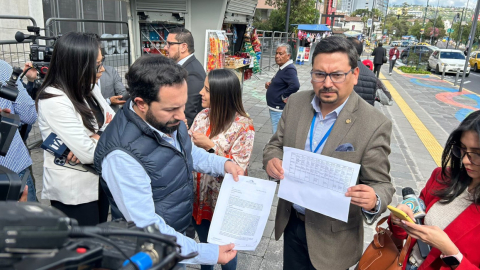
{"points": [[407, 191]]}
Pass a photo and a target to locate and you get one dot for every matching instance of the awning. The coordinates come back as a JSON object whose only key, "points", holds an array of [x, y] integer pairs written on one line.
{"points": [[313, 27]]}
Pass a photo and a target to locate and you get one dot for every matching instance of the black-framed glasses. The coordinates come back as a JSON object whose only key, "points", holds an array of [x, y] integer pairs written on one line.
{"points": [[336, 77], [169, 43], [460, 152], [99, 66]]}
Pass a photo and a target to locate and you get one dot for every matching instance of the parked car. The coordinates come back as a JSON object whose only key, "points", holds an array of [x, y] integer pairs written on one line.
{"points": [[396, 42], [423, 43], [424, 49], [450, 60], [474, 60], [405, 43]]}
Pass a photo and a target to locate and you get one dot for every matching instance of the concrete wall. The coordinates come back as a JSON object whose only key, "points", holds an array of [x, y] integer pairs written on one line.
{"points": [[9, 27]]}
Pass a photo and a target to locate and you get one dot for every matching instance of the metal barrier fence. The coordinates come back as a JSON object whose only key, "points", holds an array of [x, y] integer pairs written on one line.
{"points": [[115, 46], [269, 41]]}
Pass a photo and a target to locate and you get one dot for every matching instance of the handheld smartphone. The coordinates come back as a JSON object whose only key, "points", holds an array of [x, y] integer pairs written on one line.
{"points": [[62, 161], [400, 214]]}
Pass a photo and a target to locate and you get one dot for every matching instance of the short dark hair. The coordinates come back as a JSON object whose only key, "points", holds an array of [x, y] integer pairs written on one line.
{"points": [[335, 44], [357, 43], [184, 36], [151, 72]]}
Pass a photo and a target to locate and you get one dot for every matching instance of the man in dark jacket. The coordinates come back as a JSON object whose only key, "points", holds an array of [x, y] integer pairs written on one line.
{"points": [[282, 85], [366, 86], [378, 54], [180, 48], [146, 157]]}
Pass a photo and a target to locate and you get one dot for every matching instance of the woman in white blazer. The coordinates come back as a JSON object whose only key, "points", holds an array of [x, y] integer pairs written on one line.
{"points": [[71, 105]]}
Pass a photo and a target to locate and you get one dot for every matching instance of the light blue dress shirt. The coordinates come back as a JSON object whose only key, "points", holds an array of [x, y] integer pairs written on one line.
{"points": [[17, 158], [131, 190], [321, 127]]}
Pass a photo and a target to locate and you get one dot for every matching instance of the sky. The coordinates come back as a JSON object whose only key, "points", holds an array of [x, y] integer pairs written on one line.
{"points": [[456, 3]]}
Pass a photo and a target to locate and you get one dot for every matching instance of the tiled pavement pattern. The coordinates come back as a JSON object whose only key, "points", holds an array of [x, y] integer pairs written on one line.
{"points": [[411, 163]]}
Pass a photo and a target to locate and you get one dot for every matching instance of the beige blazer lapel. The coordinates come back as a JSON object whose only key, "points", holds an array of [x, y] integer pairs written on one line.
{"points": [[305, 116], [342, 126]]}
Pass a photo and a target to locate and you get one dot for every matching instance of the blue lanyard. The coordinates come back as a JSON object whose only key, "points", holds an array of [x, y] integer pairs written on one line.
{"points": [[324, 137]]}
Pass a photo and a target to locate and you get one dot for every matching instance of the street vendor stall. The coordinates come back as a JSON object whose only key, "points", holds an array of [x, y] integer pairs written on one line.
{"points": [[308, 36]]}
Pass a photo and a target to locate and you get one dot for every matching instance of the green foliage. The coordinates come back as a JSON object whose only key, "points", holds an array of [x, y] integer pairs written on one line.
{"points": [[413, 70], [301, 12], [415, 29], [367, 13]]}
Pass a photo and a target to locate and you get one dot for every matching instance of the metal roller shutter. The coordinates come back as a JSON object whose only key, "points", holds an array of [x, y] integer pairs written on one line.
{"points": [[165, 6]]}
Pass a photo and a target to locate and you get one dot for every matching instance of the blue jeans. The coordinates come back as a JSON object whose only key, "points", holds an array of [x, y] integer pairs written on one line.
{"points": [[275, 117], [410, 267], [202, 231], [32, 196]]}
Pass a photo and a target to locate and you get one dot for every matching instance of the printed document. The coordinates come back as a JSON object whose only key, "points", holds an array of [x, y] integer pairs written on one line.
{"points": [[317, 182], [241, 212]]}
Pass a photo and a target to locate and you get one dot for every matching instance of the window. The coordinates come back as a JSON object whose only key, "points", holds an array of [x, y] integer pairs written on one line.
{"points": [[452, 55], [478, 55]]}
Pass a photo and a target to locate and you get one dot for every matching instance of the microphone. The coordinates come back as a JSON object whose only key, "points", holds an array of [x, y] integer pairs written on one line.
{"points": [[413, 202], [418, 207]]}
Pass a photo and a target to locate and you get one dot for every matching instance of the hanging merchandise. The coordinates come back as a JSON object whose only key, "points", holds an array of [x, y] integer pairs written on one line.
{"points": [[234, 34], [249, 49], [217, 46]]}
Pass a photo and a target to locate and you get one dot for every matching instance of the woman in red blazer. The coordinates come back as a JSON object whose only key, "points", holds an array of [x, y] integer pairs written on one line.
{"points": [[451, 193]]}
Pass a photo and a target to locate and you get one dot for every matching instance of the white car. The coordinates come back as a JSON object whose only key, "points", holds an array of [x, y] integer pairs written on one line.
{"points": [[396, 42], [450, 60]]}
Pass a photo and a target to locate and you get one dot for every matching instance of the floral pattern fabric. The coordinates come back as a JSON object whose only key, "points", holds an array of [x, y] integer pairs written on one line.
{"points": [[236, 144]]}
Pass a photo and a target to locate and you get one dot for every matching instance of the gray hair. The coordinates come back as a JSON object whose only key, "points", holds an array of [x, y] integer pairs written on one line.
{"points": [[286, 46]]}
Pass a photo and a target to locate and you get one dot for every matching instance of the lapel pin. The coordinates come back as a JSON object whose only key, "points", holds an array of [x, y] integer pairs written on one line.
{"points": [[348, 121]]}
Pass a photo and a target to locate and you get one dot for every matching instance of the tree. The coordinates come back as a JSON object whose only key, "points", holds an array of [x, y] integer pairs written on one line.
{"points": [[301, 12], [415, 29], [367, 13]]}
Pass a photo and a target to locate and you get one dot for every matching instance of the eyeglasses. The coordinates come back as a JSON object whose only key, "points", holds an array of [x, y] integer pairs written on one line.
{"points": [[173, 43], [460, 152], [99, 66], [336, 77]]}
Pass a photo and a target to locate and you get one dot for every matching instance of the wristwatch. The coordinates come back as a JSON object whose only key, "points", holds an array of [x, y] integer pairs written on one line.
{"points": [[452, 260]]}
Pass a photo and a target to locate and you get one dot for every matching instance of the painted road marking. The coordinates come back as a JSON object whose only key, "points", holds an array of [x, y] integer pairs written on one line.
{"points": [[427, 138]]}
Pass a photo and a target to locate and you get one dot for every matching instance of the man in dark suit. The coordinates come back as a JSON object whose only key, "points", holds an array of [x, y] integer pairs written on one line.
{"points": [[112, 87], [180, 48], [378, 54], [366, 86], [359, 134]]}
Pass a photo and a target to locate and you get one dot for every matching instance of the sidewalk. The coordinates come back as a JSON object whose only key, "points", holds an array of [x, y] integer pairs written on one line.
{"points": [[425, 111]]}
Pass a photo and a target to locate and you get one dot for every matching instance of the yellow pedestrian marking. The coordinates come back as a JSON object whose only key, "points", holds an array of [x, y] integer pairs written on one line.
{"points": [[427, 138]]}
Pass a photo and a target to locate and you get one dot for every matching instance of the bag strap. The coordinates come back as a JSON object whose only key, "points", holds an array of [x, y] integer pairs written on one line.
{"points": [[380, 222], [404, 251]]}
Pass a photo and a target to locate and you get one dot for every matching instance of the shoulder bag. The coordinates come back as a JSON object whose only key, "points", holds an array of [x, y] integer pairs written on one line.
{"points": [[383, 253], [385, 59]]}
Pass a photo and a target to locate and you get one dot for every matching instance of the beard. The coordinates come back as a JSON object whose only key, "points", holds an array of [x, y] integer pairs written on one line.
{"points": [[328, 90], [163, 127], [175, 57]]}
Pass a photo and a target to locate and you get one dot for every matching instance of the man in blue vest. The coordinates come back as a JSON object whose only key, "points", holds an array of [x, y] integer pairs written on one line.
{"points": [[146, 157]]}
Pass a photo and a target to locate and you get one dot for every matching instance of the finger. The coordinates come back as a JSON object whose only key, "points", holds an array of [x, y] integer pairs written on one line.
{"points": [[69, 156], [235, 175], [118, 97], [278, 166], [24, 196], [6, 110], [360, 187], [273, 172]]}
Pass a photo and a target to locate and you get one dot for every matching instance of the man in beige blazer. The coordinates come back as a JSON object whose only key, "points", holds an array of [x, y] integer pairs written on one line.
{"points": [[359, 134]]}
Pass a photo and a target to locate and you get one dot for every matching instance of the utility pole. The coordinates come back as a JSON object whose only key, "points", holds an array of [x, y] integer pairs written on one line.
{"points": [[470, 43], [461, 21], [373, 21], [385, 20], [434, 23], [424, 16], [288, 16]]}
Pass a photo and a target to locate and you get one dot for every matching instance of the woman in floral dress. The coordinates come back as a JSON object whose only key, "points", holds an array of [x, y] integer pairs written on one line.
{"points": [[223, 128]]}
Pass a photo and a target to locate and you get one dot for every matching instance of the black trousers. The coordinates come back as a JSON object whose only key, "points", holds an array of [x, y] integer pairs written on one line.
{"points": [[295, 249], [376, 69], [87, 214]]}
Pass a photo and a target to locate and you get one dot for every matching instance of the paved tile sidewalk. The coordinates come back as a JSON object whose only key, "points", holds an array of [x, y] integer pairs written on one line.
{"points": [[411, 163]]}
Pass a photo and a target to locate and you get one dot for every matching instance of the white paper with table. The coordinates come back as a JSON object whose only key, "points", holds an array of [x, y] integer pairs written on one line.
{"points": [[241, 212], [317, 182]]}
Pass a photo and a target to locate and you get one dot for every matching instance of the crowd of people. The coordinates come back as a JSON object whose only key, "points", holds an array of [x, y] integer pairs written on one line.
{"points": [[161, 146]]}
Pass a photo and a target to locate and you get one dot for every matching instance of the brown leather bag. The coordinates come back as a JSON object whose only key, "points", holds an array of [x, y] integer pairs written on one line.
{"points": [[383, 253]]}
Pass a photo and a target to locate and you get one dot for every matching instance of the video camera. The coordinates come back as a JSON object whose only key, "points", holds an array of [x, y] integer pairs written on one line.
{"points": [[40, 55], [35, 236]]}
